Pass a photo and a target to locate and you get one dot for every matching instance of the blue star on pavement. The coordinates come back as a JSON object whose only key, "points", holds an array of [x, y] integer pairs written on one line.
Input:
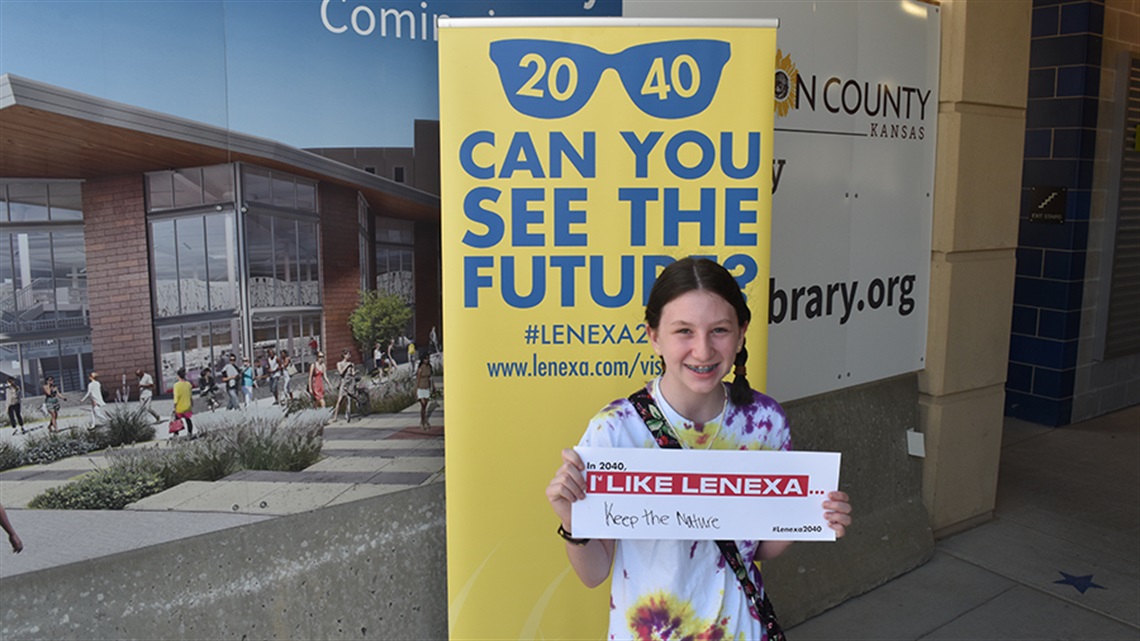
{"points": [[1081, 583]]}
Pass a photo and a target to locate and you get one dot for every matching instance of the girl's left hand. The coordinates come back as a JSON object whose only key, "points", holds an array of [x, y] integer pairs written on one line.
{"points": [[838, 512]]}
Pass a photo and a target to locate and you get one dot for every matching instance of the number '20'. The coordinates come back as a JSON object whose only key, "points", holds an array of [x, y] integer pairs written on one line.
{"points": [[656, 81]]}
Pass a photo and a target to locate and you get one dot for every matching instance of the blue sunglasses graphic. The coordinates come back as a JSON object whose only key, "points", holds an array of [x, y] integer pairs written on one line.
{"points": [[550, 79]]}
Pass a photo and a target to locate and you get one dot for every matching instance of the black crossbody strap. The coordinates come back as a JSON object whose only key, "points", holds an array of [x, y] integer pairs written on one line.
{"points": [[758, 602]]}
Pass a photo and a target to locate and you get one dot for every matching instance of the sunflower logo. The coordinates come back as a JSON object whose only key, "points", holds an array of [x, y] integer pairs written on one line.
{"points": [[786, 77]]}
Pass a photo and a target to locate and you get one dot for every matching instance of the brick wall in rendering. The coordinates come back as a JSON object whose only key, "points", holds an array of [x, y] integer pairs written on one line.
{"points": [[118, 278], [429, 299], [340, 268]]}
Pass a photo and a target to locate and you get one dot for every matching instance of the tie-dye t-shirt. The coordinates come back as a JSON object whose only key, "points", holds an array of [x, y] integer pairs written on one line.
{"points": [[683, 589]]}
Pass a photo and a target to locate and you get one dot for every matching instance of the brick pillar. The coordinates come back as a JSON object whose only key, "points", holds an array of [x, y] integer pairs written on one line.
{"points": [[429, 301], [118, 279], [340, 269]]}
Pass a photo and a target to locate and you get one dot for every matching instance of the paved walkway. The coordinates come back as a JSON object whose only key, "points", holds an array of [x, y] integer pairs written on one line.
{"points": [[363, 458], [1060, 560]]}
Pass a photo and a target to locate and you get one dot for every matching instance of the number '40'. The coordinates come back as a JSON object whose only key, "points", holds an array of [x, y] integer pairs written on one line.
{"points": [[657, 83]]}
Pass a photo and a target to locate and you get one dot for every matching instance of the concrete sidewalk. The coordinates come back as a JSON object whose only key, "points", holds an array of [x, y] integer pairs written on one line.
{"points": [[362, 458], [1060, 559]]}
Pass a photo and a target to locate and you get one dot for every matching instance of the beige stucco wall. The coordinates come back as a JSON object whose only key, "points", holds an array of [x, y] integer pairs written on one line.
{"points": [[981, 128]]}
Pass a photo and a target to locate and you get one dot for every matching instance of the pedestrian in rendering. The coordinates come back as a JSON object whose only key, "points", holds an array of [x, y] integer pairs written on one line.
{"points": [[208, 388], [13, 401], [52, 396], [273, 371], [95, 395], [424, 387], [13, 539], [317, 380], [231, 376], [146, 393], [184, 402], [286, 365], [347, 371], [247, 381]]}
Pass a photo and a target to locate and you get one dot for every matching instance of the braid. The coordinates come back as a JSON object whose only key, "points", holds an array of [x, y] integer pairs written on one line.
{"points": [[740, 392]]}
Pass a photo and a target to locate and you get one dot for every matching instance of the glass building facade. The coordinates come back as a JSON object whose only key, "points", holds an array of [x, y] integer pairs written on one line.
{"points": [[45, 324], [229, 277], [395, 272], [235, 265]]}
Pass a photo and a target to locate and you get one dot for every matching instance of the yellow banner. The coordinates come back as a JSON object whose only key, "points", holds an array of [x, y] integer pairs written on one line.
{"points": [[578, 159]]}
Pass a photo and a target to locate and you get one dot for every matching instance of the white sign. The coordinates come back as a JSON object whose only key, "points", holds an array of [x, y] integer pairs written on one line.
{"points": [[636, 493], [853, 174]]}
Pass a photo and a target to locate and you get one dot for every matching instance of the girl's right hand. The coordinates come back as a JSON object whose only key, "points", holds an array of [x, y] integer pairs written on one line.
{"points": [[567, 486]]}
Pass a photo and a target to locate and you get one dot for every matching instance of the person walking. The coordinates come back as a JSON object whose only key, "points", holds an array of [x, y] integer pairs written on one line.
{"points": [[184, 402], [286, 365], [317, 380], [347, 371], [95, 395], [424, 387], [232, 378], [52, 396], [13, 400], [247, 376], [146, 393], [273, 371]]}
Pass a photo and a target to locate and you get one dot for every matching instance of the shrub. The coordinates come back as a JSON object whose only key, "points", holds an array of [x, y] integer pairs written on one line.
{"points": [[200, 460], [395, 394], [126, 424], [9, 455], [109, 489], [393, 403], [231, 441], [297, 403], [47, 448]]}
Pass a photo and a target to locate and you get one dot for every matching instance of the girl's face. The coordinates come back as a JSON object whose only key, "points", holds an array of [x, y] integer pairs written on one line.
{"points": [[698, 336]]}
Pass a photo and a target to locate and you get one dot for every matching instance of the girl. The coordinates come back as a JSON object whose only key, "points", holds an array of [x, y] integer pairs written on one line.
{"points": [[52, 396], [347, 371], [696, 319], [317, 380]]}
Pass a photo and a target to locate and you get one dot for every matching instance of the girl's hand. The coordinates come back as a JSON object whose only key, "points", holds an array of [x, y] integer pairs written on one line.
{"points": [[838, 512], [567, 486]]}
